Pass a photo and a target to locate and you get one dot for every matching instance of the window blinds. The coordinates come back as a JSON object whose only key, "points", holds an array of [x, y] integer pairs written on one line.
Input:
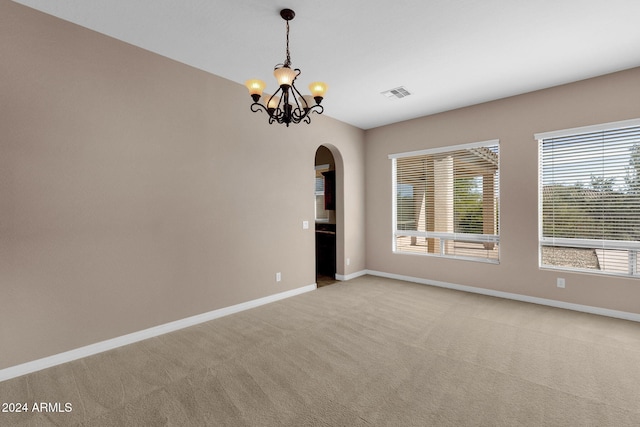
{"points": [[590, 199], [446, 201]]}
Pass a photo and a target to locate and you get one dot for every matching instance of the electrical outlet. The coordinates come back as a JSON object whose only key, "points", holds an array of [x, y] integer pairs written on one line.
{"points": [[278, 276], [560, 282], [305, 225], [348, 261]]}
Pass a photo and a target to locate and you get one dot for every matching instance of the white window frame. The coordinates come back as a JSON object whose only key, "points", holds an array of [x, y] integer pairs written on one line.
{"points": [[443, 237], [319, 169], [632, 247]]}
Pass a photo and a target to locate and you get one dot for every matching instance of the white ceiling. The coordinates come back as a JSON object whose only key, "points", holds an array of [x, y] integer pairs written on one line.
{"points": [[447, 53]]}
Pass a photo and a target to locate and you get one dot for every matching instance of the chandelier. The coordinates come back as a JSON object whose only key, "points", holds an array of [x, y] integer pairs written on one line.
{"points": [[287, 105]]}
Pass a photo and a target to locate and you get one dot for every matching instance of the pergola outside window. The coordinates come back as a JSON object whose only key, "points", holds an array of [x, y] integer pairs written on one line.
{"points": [[446, 201]]}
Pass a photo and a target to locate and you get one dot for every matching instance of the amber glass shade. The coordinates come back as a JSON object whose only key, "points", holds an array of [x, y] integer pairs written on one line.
{"points": [[285, 76], [255, 86], [318, 89]]}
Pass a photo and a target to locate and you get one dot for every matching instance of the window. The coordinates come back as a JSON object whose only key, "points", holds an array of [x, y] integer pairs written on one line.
{"points": [[445, 202], [590, 198], [322, 214]]}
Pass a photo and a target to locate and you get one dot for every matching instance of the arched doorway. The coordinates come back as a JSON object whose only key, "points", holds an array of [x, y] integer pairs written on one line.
{"points": [[325, 216]]}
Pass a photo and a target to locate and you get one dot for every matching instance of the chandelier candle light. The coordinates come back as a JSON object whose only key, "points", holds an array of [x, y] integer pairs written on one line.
{"points": [[287, 105]]}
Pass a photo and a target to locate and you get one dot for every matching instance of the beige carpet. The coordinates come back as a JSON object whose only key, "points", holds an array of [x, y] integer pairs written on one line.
{"points": [[366, 352]]}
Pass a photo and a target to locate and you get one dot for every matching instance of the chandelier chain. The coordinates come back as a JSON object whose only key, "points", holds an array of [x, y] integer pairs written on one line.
{"points": [[287, 63]]}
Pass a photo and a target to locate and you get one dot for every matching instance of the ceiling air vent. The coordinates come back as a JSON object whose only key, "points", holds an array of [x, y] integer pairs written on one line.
{"points": [[397, 93]]}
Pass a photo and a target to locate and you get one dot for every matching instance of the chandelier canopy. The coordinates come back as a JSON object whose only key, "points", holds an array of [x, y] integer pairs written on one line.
{"points": [[287, 105]]}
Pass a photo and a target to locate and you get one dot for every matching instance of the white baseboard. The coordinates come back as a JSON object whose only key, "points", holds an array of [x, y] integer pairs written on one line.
{"points": [[350, 276], [517, 297], [78, 353]]}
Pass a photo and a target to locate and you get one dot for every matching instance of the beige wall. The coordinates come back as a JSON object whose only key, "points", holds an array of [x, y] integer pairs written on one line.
{"points": [[133, 190], [514, 121]]}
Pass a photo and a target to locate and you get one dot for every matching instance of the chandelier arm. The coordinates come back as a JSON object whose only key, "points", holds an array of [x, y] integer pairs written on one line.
{"points": [[300, 111], [274, 111], [277, 112], [318, 109], [271, 97], [256, 106], [298, 115], [295, 89], [306, 105]]}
